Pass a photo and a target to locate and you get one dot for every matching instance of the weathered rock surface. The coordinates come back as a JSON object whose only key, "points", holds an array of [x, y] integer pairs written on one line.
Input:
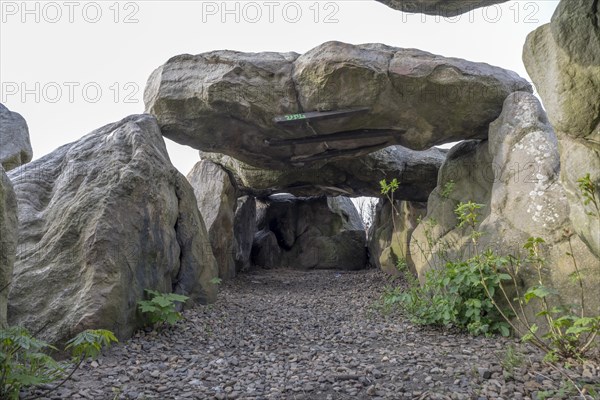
{"points": [[100, 220], [226, 102], [309, 233], [389, 235], [515, 175], [244, 228], [563, 59], [8, 240], [15, 147], [415, 170], [217, 201], [446, 8], [579, 159]]}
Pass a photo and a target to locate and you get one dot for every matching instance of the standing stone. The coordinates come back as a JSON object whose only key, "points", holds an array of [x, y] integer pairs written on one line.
{"points": [[563, 59], [309, 233], [217, 201], [15, 147], [8, 240], [389, 235], [244, 228], [100, 220], [516, 177]]}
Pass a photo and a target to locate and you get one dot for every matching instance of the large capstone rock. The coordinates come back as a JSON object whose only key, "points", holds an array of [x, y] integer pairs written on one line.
{"points": [[8, 240], [226, 102], [563, 59], [100, 220], [244, 229], [446, 8], [390, 233], [217, 201], [309, 233], [415, 170], [515, 176], [15, 147]]}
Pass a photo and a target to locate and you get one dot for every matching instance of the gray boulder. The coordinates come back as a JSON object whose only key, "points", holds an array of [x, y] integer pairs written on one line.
{"points": [[15, 147], [415, 170], [226, 102], [563, 59], [217, 201], [244, 228], [389, 235], [446, 8], [8, 240], [309, 233], [100, 220], [516, 176]]}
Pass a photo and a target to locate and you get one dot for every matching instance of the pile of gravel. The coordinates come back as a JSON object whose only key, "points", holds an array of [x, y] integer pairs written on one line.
{"points": [[284, 334]]}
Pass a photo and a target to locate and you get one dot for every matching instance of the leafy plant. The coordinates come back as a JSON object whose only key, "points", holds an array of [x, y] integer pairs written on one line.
{"points": [[388, 190], [24, 361], [512, 359], [588, 191], [161, 307], [448, 189], [216, 281], [570, 334], [454, 296], [89, 344]]}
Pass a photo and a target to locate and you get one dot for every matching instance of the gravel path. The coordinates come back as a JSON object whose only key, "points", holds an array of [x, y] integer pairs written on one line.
{"points": [[284, 334]]}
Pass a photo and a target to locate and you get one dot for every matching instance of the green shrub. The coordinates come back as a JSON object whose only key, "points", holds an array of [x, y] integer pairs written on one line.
{"points": [[161, 307], [454, 296], [24, 361], [571, 334], [448, 189]]}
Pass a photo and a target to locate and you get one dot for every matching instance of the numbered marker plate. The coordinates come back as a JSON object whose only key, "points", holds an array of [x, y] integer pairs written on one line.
{"points": [[318, 115]]}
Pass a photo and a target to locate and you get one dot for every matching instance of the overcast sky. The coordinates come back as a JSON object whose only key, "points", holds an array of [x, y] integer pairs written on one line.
{"points": [[70, 67]]}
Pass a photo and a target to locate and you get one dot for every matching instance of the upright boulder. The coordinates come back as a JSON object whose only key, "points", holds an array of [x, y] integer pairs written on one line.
{"points": [[15, 147], [390, 233], [563, 59], [102, 219], [8, 240], [217, 201], [255, 106], [309, 233], [244, 229], [516, 177]]}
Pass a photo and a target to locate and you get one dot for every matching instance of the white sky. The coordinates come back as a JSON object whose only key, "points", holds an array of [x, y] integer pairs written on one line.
{"points": [[50, 51]]}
